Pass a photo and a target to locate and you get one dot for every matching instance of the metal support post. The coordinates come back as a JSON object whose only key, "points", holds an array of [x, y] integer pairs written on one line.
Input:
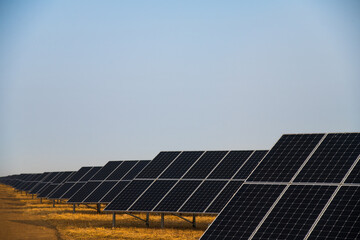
{"points": [[194, 221], [73, 208], [32, 196], [98, 208], [53, 202], [40, 200], [114, 220], [147, 219], [162, 220]]}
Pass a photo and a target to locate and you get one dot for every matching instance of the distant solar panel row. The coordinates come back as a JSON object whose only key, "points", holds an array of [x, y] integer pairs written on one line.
{"points": [[191, 182]]}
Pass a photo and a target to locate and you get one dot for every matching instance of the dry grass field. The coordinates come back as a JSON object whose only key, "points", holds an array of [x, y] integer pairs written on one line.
{"points": [[25, 218]]}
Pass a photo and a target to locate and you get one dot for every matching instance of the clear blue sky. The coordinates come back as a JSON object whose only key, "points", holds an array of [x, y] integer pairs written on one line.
{"points": [[85, 82]]}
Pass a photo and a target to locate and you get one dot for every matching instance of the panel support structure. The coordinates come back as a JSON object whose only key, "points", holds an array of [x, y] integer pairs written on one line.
{"points": [[193, 222], [139, 218], [114, 220], [98, 206], [162, 220], [73, 208]]}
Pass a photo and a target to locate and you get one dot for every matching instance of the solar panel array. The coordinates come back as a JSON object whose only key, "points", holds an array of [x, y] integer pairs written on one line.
{"points": [[187, 182], [107, 182], [306, 187]]}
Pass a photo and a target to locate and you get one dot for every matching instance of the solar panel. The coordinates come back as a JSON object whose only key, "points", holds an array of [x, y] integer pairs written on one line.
{"points": [[62, 177], [135, 170], [122, 170], [114, 192], [243, 213], [85, 190], [177, 196], [90, 174], [72, 190], [205, 164], [203, 196], [79, 174], [354, 176], [123, 201], [106, 170], [230, 164], [100, 192], [341, 219], [37, 187], [158, 164], [285, 158], [61, 190], [250, 164], [182, 163], [152, 195], [47, 190], [294, 214], [332, 159], [225, 195]]}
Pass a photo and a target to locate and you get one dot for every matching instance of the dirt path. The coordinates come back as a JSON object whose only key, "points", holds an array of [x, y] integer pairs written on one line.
{"points": [[14, 224]]}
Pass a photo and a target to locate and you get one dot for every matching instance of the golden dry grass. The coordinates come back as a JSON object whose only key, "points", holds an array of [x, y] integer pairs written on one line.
{"points": [[87, 224]]}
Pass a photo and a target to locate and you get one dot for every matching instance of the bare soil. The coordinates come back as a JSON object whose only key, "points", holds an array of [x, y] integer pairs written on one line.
{"points": [[15, 224]]}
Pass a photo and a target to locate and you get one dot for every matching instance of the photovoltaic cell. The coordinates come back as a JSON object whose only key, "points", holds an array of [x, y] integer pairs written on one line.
{"points": [[230, 164], [177, 196], [158, 164], [341, 219], [37, 187], [83, 192], [79, 174], [219, 203], [48, 190], [114, 191], [90, 174], [72, 190], [121, 170], [61, 190], [203, 196], [205, 164], [354, 176], [62, 177], [244, 212], [135, 170], [285, 158], [332, 159], [152, 195], [181, 164], [295, 213], [128, 195], [99, 192], [105, 171], [250, 164]]}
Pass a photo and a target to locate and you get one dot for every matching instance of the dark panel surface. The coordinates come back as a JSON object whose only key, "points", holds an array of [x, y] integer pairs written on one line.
{"points": [[61, 190], [230, 164], [114, 191], [47, 190], [37, 187], [136, 170], [120, 172], [224, 197], [332, 160], [72, 190], [285, 158], [79, 174], [250, 164], [153, 195], [354, 176], [341, 219], [203, 196], [100, 192], [106, 170], [62, 177], [181, 164], [89, 174], [244, 212], [83, 192], [158, 164], [50, 177], [205, 164], [295, 213], [177, 196], [126, 198]]}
